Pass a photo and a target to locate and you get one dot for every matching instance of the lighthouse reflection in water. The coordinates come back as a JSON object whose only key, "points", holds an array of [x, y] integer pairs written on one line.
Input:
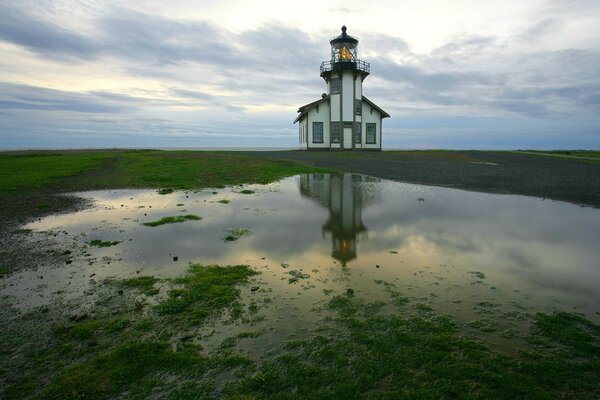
{"points": [[345, 196]]}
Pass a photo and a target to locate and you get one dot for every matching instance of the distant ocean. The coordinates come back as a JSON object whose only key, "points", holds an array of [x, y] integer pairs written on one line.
{"points": [[152, 148]]}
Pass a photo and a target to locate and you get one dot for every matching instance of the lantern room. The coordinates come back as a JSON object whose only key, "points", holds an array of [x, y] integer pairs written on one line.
{"points": [[344, 48]]}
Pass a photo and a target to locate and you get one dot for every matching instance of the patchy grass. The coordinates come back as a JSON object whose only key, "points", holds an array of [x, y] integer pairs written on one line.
{"points": [[144, 284], [234, 234], [103, 243], [165, 191], [204, 290], [296, 275], [361, 350], [372, 355], [247, 191], [173, 220], [476, 274], [223, 201], [133, 367]]}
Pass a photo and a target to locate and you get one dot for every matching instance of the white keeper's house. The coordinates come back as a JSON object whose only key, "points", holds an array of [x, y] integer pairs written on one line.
{"points": [[343, 118]]}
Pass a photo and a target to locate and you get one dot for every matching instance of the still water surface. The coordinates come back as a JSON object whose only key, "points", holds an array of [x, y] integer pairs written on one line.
{"points": [[475, 256]]}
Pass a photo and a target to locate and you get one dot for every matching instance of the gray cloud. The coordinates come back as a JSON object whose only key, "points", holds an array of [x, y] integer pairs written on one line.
{"points": [[25, 97], [43, 37]]}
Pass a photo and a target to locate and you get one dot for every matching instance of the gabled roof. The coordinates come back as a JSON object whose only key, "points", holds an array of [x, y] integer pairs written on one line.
{"points": [[307, 107], [369, 102]]}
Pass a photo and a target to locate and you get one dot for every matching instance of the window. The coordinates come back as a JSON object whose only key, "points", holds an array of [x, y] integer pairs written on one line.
{"points": [[371, 129], [335, 85], [357, 106], [357, 132], [317, 132], [335, 132]]}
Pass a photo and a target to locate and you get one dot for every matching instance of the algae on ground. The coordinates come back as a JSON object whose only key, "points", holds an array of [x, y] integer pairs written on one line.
{"points": [[173, 220], [103, 243], [234, 234], [144, 284]]}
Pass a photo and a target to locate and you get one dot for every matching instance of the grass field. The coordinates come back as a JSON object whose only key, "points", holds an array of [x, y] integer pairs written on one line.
{"points": [[137, 169]]}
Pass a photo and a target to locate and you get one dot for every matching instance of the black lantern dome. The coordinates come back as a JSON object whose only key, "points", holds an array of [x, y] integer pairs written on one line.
{"points": [[344, 56]]}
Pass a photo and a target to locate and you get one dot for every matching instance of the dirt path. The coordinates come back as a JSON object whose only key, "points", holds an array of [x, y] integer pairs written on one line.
{"points": [[485, 171]]}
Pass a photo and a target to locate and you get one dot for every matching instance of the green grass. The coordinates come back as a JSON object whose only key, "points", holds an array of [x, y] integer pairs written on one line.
{"points": [[205, 290], [223, 201], [41, 170], [134, 366], [247, 191], [103, 243], [173, 220], [144, 284], [164, 170]]}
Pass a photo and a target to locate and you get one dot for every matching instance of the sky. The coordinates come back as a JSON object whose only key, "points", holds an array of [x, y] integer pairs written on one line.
{"points": [[457, 74]]}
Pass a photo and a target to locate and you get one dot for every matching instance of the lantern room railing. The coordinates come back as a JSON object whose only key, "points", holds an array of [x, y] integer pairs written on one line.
{"points": [[359, 65]]}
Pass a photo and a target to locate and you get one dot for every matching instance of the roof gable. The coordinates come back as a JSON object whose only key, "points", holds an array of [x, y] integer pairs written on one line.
{"points": [[375, 106], [307, 107]]}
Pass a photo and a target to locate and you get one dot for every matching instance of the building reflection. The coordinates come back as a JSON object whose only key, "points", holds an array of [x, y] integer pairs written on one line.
{"points": [[345, 196]]}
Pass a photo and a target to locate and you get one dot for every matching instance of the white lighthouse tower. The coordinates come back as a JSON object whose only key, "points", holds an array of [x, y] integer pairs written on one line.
{"points": [[343, 118]]}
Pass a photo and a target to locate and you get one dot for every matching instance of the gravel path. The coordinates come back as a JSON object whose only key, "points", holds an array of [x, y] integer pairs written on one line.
{"points": [[486, 171]]}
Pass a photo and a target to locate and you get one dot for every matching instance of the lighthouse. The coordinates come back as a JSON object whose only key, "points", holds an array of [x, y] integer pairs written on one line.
{"points": [[343, 118]]}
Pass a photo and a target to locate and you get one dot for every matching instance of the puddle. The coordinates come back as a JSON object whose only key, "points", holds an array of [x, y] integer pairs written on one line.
{"points": [[488, 260]]}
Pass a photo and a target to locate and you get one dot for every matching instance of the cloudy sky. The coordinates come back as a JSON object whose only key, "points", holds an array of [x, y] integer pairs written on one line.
{"points": [[192, 73]]}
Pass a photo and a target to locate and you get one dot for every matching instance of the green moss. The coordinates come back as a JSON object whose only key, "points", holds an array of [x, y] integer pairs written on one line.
{"points": [[223, 201], [3, 271], [144, 284], [204, 290], [234, 234], [103, 243], [173, 220], [247, 191]]}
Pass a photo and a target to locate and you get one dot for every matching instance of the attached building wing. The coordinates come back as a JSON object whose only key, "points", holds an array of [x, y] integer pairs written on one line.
{"points": [[307, 107]]}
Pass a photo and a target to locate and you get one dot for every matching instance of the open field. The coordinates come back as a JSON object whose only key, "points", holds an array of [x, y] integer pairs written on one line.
{"points": [[140, 338]]}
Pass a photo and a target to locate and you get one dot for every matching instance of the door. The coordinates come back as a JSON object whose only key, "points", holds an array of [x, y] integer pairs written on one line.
{"points": [[347, 138]]}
